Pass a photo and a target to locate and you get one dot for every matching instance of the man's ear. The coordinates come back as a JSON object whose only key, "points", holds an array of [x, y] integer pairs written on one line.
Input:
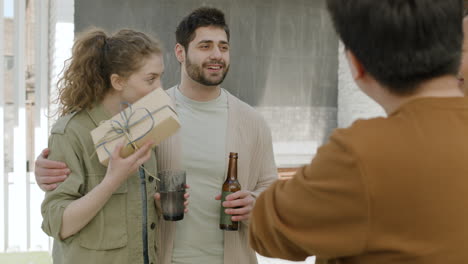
{"points": [[117, 82], [179, 51], [356, 67], [465, 27]]}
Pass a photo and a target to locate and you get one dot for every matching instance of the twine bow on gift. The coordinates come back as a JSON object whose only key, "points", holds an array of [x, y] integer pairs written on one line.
{"points": [[122, 129]]}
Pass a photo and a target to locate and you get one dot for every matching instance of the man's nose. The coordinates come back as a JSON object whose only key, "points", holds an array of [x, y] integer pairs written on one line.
{"points": [[216, 53]]}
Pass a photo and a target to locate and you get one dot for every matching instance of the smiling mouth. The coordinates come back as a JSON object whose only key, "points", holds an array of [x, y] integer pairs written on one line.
{"points": [[215, 68]]}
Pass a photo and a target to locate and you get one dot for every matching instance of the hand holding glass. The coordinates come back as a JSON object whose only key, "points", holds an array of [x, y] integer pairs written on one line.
{"points": [[172, 190]]}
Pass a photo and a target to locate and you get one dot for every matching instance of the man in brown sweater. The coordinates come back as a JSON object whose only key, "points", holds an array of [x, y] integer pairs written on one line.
{"points": [[385, 190]]}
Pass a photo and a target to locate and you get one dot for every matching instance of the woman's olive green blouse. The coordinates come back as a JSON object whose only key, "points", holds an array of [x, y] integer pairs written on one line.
{"points": [[114, 235]]}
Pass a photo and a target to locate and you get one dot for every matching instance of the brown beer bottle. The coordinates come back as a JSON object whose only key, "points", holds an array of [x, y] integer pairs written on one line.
{"points": [[231, 185]]}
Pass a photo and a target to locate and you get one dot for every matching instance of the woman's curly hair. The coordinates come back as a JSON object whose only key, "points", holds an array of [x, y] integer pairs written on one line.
{"points": [[95, 57]]}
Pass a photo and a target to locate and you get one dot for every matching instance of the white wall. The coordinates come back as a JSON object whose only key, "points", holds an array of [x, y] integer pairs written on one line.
{"points": [[61, 42], [352, 103]]}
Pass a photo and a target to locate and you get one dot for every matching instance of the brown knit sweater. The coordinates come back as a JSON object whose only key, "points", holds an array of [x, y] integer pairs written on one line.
{"points": [[385, 190]]}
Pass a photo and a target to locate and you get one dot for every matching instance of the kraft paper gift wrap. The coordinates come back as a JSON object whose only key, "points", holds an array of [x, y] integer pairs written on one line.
{"points": [[151, 117]]}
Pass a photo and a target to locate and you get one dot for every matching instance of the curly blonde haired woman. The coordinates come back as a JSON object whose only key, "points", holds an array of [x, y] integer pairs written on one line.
{"points": [[96, 214]]}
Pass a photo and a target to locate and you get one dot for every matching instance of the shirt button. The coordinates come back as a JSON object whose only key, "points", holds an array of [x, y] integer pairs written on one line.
{"points": [[150, 179], [153, 225]]}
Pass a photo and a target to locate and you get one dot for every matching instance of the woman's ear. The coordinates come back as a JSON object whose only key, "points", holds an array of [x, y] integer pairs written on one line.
{"points": [[117, 82], [179, 52]]}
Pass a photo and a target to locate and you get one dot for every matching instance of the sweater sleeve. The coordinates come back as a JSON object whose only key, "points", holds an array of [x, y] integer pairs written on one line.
{"points": [[322, 210], [168, 153], [268, 171]]}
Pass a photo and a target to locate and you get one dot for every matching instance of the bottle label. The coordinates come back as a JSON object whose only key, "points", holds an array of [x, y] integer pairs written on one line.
{"points": [[225, 218]]}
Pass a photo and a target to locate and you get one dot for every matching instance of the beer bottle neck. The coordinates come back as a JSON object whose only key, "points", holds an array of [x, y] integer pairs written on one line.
{"points": [[232, 170]]}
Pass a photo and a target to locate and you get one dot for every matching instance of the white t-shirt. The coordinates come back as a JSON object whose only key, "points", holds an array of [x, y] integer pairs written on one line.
{"points": [[198, 238]]}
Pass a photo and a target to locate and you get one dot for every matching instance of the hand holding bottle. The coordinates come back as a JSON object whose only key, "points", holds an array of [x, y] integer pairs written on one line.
{"points": [[238, 204]]}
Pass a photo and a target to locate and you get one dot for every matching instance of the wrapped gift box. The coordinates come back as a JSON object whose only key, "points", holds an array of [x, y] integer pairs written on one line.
{"points": [[151, 117]]}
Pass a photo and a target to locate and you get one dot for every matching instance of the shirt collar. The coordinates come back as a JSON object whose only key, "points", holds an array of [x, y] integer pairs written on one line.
{"points": [[98, 114]]}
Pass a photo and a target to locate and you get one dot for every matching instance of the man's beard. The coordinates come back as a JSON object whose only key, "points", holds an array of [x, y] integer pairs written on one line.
{"points": [[196, 72]]}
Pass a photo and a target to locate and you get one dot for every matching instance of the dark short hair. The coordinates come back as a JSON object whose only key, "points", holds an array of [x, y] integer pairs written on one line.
{"points": [[201, 17], [401, 43]]}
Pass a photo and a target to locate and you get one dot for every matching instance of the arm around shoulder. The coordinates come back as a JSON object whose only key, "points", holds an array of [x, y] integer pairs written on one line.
{"points": [[49, 173], [65, 149]]}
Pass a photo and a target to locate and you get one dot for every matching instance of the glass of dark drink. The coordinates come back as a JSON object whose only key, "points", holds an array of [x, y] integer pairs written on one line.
{"points": [[172, 190]]}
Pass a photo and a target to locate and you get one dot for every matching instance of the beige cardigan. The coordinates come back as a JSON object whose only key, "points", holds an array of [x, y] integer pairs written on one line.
{"points": [[249, 135]]}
